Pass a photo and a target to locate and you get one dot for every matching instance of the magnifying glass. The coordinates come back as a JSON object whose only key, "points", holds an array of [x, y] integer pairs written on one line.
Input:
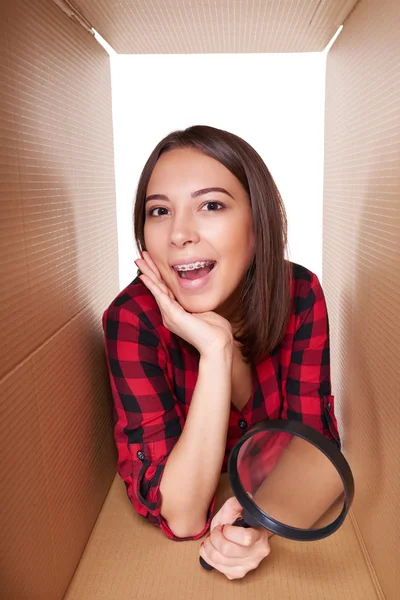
{"points": [[290, 479]]}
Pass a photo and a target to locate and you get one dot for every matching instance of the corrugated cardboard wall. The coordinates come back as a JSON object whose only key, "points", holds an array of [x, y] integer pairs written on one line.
{"points": [[361, 267], [58, 257]]}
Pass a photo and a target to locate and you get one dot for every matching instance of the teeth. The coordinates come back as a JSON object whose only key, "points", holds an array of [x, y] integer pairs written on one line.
{"points": [[193, 266]]}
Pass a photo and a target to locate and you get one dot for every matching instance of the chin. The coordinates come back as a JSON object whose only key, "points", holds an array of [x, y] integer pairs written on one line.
{"points": [[198, 304]]}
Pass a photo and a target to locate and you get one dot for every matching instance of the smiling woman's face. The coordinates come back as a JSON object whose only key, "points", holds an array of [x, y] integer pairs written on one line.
{"points": [[188, 223]]}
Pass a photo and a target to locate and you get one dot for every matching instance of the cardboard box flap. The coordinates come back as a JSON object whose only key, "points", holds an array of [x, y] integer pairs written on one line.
{"points": [[190, 27]]}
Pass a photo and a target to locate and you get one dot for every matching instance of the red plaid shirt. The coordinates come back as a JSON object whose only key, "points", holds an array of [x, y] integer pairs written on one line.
{"points": [[153, 375]]}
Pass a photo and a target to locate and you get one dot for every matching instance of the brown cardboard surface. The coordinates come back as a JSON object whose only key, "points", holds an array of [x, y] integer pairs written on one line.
{"points": [[361, 268], [57, 227], [190, 27], [129, 559], [58, 263], [57, 460]]}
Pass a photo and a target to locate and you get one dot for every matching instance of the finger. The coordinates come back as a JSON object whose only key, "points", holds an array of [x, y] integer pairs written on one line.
{"points": [[244, 536], [215, 558], [150, 262], [154, 276], [226, 547], [147, 258], [170, 309], [231, 509], [147, 270], [156, 289], [230, 569], [228, 514]]}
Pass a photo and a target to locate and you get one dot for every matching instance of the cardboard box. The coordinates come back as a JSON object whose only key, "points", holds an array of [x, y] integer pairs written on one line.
{"points": [[67, 527]]}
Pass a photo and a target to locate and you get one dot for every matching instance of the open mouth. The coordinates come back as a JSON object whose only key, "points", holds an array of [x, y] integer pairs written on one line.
{"points": [[192, 272]]}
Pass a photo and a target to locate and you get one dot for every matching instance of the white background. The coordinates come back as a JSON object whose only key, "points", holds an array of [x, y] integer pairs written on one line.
{"points": [[274, 101]]}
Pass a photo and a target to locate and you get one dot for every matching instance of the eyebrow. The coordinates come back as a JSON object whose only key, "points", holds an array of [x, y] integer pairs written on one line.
{"points": [[193, 194]]}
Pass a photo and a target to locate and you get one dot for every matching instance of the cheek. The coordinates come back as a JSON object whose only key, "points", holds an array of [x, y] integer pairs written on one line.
{"points": [[154, 242], [156, 249], [148, 235], [238, 245]]}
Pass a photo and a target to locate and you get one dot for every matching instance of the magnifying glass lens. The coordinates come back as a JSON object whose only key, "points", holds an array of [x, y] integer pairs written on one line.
{"points": [[290, 479]]}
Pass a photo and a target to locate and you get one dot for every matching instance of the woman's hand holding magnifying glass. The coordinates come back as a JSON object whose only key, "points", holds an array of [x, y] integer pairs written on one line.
{"points": [[234, 551]]}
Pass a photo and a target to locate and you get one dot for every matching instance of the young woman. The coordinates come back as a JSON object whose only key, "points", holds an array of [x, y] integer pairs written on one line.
{"points": [[218, 332]]}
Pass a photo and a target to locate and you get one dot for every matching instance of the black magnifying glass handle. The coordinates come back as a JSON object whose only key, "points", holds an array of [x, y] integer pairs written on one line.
{"points": [[240, 522]]}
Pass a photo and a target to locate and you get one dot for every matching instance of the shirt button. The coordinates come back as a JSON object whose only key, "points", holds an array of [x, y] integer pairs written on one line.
{"points": [[242, 424], [140, 455], [328, 406]]}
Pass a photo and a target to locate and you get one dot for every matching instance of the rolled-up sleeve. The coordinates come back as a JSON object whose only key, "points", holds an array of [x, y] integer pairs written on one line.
{"points": [[308, 389], [147, 418]]}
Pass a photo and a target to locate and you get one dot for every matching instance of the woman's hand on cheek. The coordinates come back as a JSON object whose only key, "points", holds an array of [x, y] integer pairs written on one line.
{"points": [[206, 331], [234, 551]]}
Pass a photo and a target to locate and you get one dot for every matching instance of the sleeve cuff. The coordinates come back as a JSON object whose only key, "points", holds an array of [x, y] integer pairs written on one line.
{"points": [[167, 531]]}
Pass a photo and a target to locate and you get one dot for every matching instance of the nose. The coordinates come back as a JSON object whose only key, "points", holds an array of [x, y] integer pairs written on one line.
{"points": [[183, 230]]}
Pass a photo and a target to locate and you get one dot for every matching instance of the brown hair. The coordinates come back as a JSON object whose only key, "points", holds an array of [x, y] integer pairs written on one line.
{"points": [[265, 301]]}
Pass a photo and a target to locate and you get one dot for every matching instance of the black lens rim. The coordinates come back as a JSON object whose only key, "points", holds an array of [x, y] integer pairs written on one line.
{"points": [[324, 445]]}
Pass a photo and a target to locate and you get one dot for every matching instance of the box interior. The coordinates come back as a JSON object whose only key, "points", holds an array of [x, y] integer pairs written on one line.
{"points": [[68, 528]]}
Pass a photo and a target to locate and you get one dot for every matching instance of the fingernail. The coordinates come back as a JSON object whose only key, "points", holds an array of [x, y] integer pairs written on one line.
{"points": [[222, 528], [202, 544]]}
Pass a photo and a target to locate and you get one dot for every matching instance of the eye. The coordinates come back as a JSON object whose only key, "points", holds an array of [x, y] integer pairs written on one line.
{"points": [[213, 206], [152, 212]]}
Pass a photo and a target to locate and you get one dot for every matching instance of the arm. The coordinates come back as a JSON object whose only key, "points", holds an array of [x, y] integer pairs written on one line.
{"points": [[149, 424], [193, 469], [311, 483], [308, 389], [301, 487], [308, 399]]}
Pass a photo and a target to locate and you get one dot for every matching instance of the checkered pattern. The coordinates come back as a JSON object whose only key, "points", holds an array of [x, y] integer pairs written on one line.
{"points": [[153, 374], [258, 457]]}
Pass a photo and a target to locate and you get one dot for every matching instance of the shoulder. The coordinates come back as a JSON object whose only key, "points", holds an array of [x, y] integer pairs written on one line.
{"points": [[306, 289], [137, 304]]}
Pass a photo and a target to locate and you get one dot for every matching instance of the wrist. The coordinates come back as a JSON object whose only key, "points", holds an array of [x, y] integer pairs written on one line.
{"points": [[222, 353]]}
